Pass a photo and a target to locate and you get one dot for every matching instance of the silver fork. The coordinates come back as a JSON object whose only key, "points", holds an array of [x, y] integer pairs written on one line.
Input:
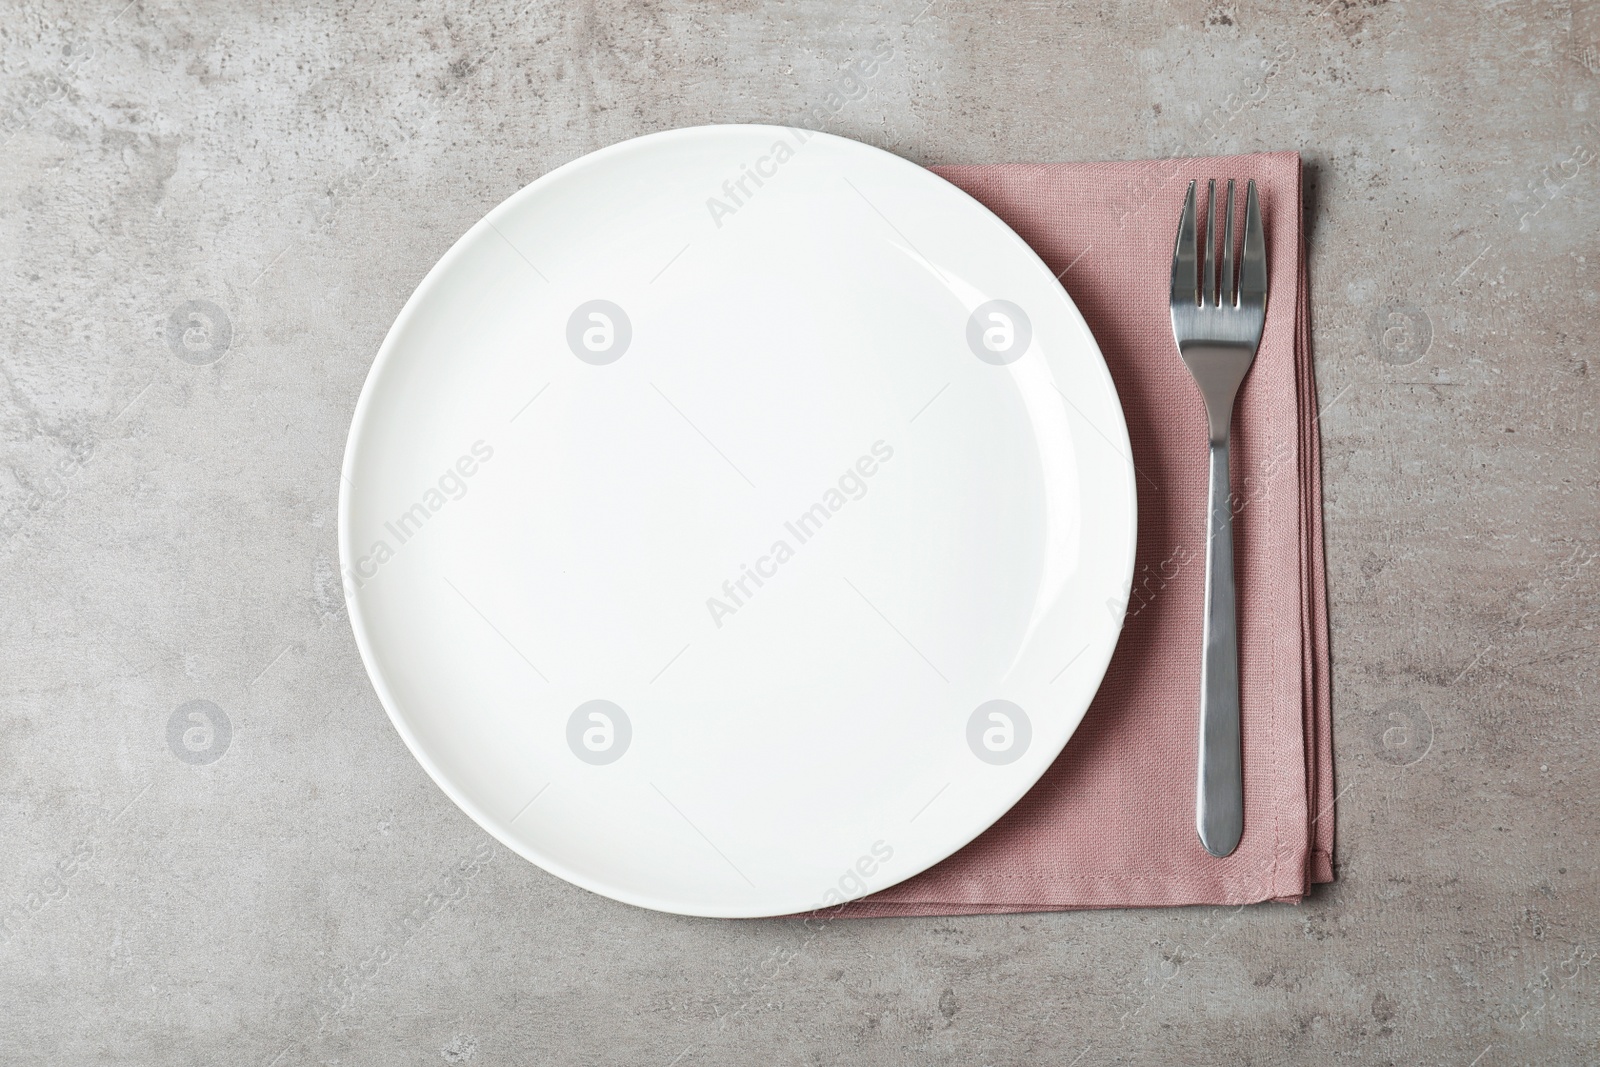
{"points": [[1218, 331]]}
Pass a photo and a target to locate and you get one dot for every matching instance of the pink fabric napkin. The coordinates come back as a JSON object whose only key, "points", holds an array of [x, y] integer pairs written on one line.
{"points": [[1111, 824]]}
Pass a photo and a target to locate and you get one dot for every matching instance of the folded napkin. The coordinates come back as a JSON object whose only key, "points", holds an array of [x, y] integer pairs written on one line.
{"points": [[1111, 824]]}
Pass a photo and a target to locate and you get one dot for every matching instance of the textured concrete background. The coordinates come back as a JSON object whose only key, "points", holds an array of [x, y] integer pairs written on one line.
{"points": [[276, 182]]}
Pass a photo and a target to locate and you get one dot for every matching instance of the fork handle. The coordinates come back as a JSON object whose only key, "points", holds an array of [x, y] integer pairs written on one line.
{"points": [[1219, 790]]}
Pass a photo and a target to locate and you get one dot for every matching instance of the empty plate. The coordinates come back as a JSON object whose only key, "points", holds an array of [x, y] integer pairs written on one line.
{"points": [[737, 520]]}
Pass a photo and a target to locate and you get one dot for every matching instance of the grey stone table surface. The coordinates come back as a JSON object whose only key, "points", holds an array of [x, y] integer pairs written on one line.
{"points": [[211, 213]]}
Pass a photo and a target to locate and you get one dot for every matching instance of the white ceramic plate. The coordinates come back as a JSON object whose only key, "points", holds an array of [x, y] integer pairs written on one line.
{"points": [[737, 520]]}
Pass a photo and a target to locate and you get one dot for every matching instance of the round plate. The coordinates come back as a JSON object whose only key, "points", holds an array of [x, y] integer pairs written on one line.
{"points": [[737, 521]]}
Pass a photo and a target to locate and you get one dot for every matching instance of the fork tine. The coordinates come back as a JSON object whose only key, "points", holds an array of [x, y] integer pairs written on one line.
{"points": [[1208, 263], [1253, 267], [1185, 264], [1230, 284]]}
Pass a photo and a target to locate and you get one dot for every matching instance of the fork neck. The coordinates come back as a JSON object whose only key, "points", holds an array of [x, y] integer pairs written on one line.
{"points": [[1219, 417]]}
